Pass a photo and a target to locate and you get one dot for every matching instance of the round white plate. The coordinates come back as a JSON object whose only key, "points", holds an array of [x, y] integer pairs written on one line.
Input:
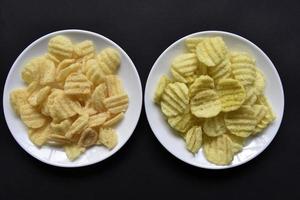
{"points": [[54, 155], [174, 144]]}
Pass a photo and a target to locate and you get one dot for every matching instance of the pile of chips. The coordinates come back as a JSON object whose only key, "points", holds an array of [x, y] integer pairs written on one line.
{"points": [[215, 99], [73, 96]]}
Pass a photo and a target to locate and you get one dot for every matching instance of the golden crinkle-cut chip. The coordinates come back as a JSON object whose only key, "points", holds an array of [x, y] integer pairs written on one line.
{"points": [[98, 119], [47, 72], [191, 43], [64, 70], [203, 82], [114, 85], [182, 123], [193, 139], [73, 151], [39, 136], [108, 137], [62, 127], [31, 71], [175, 99], [78, 126], [260, 82], [113, 119], [162, 83], [184, 67], [99, 94], [206, 104], [85, 49], [237, 143], [49, 101], [18, 97], [109, 60], [214, 126], [218, 150], [251, 96], [31, 117], [94, 72], [61, 47], [262, 100], [262, 117], [52, 57], [89, 108], [220, 71], [88, 137], [211, 51], [241, 122], [243, 68], [231, 93], [77, 84], [57, 139], [116, 104], [39, 95]]}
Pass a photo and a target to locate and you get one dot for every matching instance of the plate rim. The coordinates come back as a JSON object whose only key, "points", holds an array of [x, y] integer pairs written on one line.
{"points": [[63, 31], [219, 167]]}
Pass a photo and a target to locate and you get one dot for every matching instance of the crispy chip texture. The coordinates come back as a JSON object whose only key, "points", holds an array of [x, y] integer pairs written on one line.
{"points": [[39, 136], [18, 97], [98, 119], [116, 104], [94, 72], [214, 126], [114, 119], [182, 123], [202, 83], [162, 83], [211, 51], [108, 137], [184, 67], [61, 47], [88, 138], [31, 117], [220, 71], [73, 151], [109, 60], [193, 139], [77, 84], [191, 43], [62, 127], [99, 94], [260, 82], [85, 49], [78, 126], [39, 95], [231, 93], [114, 85], [251, 96]]}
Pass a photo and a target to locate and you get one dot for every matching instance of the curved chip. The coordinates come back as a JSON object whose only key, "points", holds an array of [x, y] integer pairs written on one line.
{"points": [[38, 96], [31, 70], [243, 68], [114, 85], [64, 72], [62, 127], [218, 150], [182, 123], [99, 94], [109, 60], [52, 57], [203, 82], [18, 97], [116, 104], [50, 101], [251, 96], [98, 119], [77, 84], [40, 135], [73, 151], [214, 126], [262, 117], [260, 82], [94, 72], [220, 71], [193, 139], [237, 143], [175, 99], [262, 100], [112, 120], [85, 49], [162, 83], [61, 47], [47, 72], [241, 122], [88, 138], [57, 139], [31, 117], [184, 67], [78, 126], [108, 137], [231, 93], [206, 104], [211, 51], [192, 42]]}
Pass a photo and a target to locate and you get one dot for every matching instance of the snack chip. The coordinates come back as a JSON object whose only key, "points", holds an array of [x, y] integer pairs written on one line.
{"points": [[214, 126], [77, 84], [193, 139], [108, 137], [109, 60], [182, 123], [191, 43], [220, 71], [31, 116], [61, 47], [184, 67], [203, 82], [163, 82]]}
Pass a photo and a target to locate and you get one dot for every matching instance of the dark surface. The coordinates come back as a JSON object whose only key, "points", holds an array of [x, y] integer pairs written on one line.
{"points": [[143, 168]]}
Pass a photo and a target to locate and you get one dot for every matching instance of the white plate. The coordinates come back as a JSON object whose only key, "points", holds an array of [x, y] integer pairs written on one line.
{"points": [[174, 144], [56, 156]]}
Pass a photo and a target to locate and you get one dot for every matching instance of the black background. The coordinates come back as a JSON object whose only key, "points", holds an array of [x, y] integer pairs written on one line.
{"points": [[143, 168]]}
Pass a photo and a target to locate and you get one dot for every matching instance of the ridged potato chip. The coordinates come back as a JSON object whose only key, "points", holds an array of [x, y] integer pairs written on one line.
{"points": [[85, 49], [109, 60], [57, 139], [50, 101], [218, 150], [175, 99], [89, 107], [47, 72], [61, 47], [31, 117], [193, 139], [98, 119], [214, 126], [73, 151], [211, 51], [18, 97], [206, 104], [38, 96], [52, 57], [62, 127], [77, 84], [162, 83], [31, 71], [260, 82], [184, 67], [262, 100], [64, 72], [191, 43], [108, 137], [116, 104], [182, 123], [243, 68], [220, 71], [78, 126], [202, 83], [262, 117], [94, 72], [88, 138], [231, 94], [39, 136], [114, 85], [251, 96], [241, 122], [237, 143], [99, 94], [114, 119]]}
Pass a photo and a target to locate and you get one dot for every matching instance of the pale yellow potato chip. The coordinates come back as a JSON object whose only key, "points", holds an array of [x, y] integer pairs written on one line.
{"points": [[182, 123], [241, 122], [193, 139], [77, 84], [47, 72], [18, 97], [94, 72], [237, 143], [88, 138], [175, 99], [31, 71], [39, 95], [262, 100], [89, 108], [192, 42], [251, 96], [109, 60], [98, 119], [220, 71], [116, 104], [231, 94], [114, 85], [66, 71], [184, 67], [85, 49], [203, 82], [78, 126], [211, 51], [73, 151], [31, 117], [162, 83], [260, 82], [50, 101], [113, 119], [243, 68], [65, 63], [57, 139], [99, 94], [39, 136], [62, 127], [262, 117], [108, 137], [206, 104], [61, 47], [218, 150], [52, 57], [215, 126]]}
